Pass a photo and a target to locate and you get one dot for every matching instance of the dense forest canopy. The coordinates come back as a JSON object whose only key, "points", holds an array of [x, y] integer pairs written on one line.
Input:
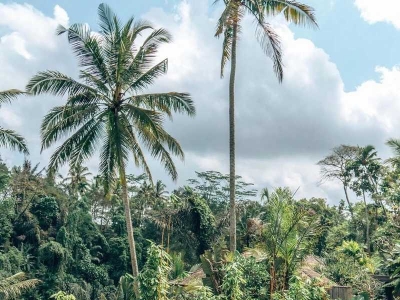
{"points": [[115, 233], [66, 234]]}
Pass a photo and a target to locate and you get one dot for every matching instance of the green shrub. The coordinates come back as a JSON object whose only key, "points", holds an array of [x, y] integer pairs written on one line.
{"points": [[300, 289], [52, 255], [46, 211]]}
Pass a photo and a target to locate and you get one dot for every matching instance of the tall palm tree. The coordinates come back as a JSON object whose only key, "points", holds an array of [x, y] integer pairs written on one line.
{"points": [[9, 138], [107, 106], [229, 25]]}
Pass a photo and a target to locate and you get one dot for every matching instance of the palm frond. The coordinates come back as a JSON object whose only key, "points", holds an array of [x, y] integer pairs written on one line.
{"points": [[229, 25], [144, 117], [11, 139], [394, 144], [64, 153], [138, 154], [152, 43], [294, 11], [12, 287], [8, 95], [230, 16], [107, 166], [58, 84], [165, 102], [226, 49], [270, 43], [62, 120], [138, 28], [155, 144], [87, 146], [87, 48], [147, 78], [106, 19]]}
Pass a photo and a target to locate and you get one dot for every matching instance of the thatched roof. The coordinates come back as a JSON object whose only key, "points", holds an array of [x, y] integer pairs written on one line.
{"points": [[193, 279], [307, 271]]}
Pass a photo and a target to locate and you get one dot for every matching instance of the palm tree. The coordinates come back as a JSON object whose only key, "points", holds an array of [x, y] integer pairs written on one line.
{"points": [[77, 179], [229, 25], [9, 138], [107, 106], [394, 144], [12, 287], [159, 190]]}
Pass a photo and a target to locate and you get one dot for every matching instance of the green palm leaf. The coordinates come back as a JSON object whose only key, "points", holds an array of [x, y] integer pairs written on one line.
{"points": [[11, 139], [56, 83], [9, 95], [296, 12], [165, 102]]}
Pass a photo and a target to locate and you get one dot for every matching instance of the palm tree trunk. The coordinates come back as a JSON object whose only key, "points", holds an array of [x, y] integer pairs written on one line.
{"points": [[168, 233], [272, 280], [232, 175], [348, 202], [366, 225], [129, 229], [375, 187]]}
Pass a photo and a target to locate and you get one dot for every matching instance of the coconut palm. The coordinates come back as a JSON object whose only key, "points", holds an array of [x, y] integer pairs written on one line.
{"points": [[229, 25], [394, 144], [77, 179], [159, 190], [12, 287], [9, 138], [107, 106]]}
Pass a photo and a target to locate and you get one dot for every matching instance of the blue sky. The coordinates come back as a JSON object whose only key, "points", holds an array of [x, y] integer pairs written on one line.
{"points": [[341, 84], [354, 45]]}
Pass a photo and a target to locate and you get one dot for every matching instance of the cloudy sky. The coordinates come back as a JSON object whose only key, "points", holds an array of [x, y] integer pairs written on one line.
{"points": [[342, 84]]}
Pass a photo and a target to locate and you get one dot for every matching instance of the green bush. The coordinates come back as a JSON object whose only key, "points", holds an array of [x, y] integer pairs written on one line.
{"points": [[52, 255], [46, 211], [300, 289]]}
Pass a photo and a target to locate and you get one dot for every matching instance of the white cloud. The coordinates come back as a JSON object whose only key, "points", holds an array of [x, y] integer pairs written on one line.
{"points": [[33, 25], [61, 16], [376, 102], [28, 44], [10, 118], [16, 43], [374, 11]]}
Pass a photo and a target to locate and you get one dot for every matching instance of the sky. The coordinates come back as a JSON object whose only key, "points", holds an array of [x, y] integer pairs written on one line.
{"points": [[341, 84]]}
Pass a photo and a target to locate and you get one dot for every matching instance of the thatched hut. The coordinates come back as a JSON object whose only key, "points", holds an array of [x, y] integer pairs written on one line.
{"points": [[308, 271]]}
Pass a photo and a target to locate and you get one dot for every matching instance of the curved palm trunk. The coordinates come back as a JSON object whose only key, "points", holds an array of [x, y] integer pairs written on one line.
{"points": [[129, 229], [366, 225], [232, 175]]}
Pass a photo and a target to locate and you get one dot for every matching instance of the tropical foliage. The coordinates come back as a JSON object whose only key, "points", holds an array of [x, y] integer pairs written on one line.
{"points": [[115, 234]]}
